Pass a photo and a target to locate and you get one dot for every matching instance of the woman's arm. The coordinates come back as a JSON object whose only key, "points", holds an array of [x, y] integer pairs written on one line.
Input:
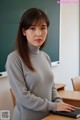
{"points": [[55, 95], [19, 87]]}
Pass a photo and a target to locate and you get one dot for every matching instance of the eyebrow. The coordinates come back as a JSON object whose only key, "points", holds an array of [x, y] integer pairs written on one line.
{"points": [[41, 25]]}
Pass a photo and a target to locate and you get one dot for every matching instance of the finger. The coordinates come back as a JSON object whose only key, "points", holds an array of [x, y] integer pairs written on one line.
{"points": [[69, 105], [72, 106], [69, 108], [66, 109]]}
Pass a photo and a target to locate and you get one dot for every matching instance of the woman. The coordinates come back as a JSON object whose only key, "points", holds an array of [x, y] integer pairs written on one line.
{"points": [[29, 70]]}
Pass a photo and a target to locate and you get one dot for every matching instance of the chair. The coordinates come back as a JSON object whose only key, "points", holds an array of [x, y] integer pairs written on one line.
{"points": [[13, 97], [76, 83]]}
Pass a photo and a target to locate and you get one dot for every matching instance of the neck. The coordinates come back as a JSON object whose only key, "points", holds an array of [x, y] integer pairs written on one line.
{"points": [[33, 49]]}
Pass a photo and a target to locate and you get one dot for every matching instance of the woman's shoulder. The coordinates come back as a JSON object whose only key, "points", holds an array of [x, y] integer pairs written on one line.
{"points": [[13, 56], [47, 56], [14, 53], [13, 60]]}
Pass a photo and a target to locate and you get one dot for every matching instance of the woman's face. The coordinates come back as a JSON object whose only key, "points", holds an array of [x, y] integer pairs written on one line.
{"points": [[36, 34]]}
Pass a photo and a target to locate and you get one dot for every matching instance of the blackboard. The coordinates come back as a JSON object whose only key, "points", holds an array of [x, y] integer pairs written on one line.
{"points": [[10, 14]]}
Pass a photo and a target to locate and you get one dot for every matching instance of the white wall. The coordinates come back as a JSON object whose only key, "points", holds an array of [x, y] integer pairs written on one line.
{"points": [[69, 50]]}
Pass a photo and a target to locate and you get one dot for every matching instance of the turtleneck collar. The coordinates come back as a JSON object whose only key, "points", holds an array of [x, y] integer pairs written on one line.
{"points": [[33, 49]]}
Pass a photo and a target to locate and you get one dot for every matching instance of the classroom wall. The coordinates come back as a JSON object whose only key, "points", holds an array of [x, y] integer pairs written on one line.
{"points": [[10, 15], [69, 38]]}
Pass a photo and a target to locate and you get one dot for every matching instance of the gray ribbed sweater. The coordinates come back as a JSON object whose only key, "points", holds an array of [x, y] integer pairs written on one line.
{"points": [[34, 91]]}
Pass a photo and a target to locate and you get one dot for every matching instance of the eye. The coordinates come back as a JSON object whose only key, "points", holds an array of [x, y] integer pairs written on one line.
{"points": [[32, 28], [43, 28]]}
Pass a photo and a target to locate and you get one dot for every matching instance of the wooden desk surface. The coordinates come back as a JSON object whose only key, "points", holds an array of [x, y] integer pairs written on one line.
{"points": [[70, 97], [58, 117], [60, 86]]}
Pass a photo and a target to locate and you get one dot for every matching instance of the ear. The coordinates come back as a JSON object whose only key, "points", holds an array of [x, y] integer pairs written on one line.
{"points": [[24, 31]]}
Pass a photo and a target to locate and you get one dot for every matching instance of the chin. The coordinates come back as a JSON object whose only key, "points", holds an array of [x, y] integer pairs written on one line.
{"points": [[38, 45]]}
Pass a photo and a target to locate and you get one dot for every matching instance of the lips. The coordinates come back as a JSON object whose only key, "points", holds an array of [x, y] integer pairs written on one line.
{"points": [[39, 40]]}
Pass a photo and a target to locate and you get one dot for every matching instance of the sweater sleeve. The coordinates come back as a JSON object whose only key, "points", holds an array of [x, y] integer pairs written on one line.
{"points": [[55, 95], [20, 90]]}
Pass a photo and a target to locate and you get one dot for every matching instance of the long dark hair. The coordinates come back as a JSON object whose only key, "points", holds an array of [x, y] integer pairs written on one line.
{"points": [[28, 18]]}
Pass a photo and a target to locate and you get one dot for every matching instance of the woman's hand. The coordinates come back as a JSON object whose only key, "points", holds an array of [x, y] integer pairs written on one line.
{"points": [[65, 107]]}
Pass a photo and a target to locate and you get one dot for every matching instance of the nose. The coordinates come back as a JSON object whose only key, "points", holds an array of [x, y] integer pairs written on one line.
{"points": [[38, 32]]}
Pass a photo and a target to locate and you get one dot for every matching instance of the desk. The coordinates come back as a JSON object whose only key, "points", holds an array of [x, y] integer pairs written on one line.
{"points": [[71, 97], [60, 86], [58, 117]]}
